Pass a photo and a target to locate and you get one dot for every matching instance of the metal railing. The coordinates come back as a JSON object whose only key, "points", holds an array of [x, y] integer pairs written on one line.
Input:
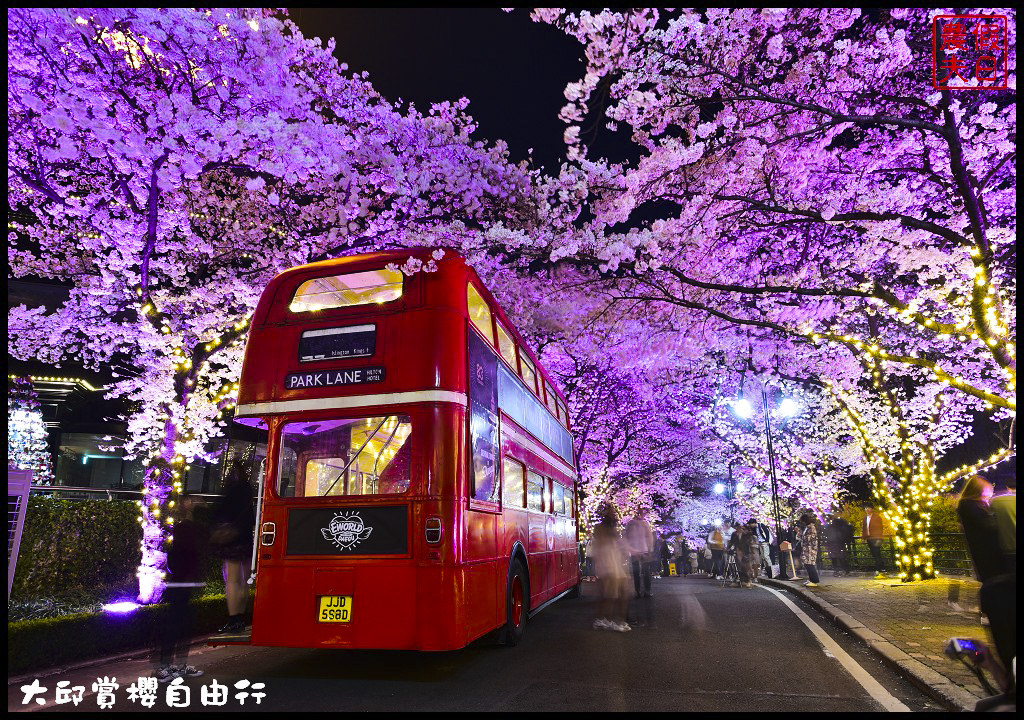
{"points": [[950, 554], [86, 493]]}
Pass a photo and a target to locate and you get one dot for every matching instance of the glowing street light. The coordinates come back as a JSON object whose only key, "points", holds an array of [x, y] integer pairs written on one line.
{"points": [[719, 488], [743, 408], [788, 408]]}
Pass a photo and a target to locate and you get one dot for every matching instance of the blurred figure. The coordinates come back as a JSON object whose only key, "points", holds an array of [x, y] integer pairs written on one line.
{"points": [[1004, 507], [665, 553], [998, 594], [233, 524], [185, 553], [836, 544], [609, 564], [872, 532], [716, 544], [683, 557], [809, 548], [640, 542], [744, 542]]}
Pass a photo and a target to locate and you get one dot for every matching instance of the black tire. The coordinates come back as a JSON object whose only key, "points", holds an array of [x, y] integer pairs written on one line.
{"points": [[517, 594], [574, 591]]}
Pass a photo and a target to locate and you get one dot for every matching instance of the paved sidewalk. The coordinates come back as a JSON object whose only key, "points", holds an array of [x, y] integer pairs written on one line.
{"points": [[908, 624]]}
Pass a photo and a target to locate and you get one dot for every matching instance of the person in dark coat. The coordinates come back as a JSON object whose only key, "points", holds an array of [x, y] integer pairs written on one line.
{"points": [[233, 524], [998, 594], [836, 533], [185, 552]]}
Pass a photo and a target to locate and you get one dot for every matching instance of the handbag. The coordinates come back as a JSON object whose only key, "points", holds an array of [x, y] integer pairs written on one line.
{"points": [[223, 534], [785, 545]]}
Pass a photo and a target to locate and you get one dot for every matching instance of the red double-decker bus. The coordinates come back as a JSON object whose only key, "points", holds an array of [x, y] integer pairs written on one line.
{"points": [[420, 484]]}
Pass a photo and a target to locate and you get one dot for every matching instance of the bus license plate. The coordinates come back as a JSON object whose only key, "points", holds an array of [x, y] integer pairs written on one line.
{"points": [[335, 608]]}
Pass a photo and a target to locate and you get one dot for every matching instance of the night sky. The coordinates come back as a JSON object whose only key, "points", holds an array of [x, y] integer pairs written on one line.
{"points": [[512, 69]]}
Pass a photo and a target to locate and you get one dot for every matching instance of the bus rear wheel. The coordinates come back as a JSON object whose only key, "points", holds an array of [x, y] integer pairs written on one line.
{"points": [[515, 603]]}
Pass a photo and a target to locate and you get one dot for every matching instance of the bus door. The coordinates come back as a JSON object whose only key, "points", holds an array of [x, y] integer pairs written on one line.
{"points": [[483, 491]]}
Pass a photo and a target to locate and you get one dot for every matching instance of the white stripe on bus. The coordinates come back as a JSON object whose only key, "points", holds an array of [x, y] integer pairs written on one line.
{"points": [[350, 401]]}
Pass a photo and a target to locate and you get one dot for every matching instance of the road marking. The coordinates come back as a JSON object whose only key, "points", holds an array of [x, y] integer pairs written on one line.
{"points": [[878, 693]]}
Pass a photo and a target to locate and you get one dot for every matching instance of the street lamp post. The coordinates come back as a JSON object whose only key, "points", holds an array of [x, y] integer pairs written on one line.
{"points": [[787, 408], [771, 467]]}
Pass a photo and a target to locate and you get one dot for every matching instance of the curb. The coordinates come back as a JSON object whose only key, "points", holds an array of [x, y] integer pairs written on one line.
{"points": [[42, 673], [937, 686]]}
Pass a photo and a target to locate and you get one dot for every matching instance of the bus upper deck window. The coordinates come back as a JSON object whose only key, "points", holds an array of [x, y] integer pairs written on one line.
{"points": [[528, 371], [334, 291], [350, 456], [506, 345], [551, 398], [564, 414], [479, 313]]}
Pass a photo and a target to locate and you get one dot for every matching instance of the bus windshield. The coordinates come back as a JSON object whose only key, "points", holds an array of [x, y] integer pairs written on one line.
{"points": [[346, 456]]}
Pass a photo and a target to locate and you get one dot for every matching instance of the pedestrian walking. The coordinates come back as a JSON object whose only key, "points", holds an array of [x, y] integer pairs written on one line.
{"points": [[716, 544], [231, 535], [764, 539], [640, 542], [872, 532], [185, 553], [998, 596], [809, 548], [609, 563]]}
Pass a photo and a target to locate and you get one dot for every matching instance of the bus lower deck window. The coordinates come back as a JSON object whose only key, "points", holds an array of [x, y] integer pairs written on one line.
{"points": [[345, 456]]}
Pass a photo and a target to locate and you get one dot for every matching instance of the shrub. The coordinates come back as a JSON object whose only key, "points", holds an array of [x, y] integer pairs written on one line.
{"points": [[73, 546], [69, 544]]}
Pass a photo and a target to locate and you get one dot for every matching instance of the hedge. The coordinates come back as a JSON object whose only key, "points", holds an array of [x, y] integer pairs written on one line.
{"points": [[69, 544], [72, 638]]}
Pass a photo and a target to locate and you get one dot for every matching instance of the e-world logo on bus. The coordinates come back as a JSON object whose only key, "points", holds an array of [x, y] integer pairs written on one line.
{"points": [[346, 530]]}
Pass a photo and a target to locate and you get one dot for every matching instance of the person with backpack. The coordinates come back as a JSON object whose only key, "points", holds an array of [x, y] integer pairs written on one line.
{"points": [[716, 544]]}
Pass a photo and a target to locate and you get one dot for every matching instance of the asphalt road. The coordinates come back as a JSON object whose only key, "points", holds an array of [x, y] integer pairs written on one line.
{"points": [[704, 648]]}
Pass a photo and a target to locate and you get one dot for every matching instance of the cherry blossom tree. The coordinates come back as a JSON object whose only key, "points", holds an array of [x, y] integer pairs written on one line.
{"points": [[810, 187], [169, 162]]}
